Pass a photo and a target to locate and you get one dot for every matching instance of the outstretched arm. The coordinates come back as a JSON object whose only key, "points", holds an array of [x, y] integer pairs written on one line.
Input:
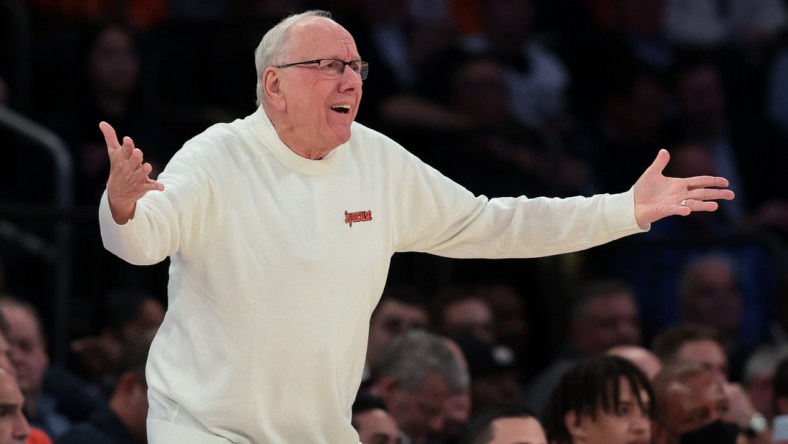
{"points": [[128, 175], [657, 196]]}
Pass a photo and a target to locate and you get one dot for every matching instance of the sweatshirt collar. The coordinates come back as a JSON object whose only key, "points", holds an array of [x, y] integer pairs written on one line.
{"points": [[265, 129]]}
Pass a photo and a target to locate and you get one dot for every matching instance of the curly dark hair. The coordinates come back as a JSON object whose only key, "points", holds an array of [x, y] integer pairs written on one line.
{"points": [[593, 383]]}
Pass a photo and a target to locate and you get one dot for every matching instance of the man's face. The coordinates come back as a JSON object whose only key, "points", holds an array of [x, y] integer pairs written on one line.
{"points": [[27, 349], [608, 321], [628, 425], [707, 353], [694, 403], [517, 431], [376, 426], [319, 107], [496, 388], [713, 298], [5, 357], [14, 428], [470, 315], [420, 413], [391, 318]]}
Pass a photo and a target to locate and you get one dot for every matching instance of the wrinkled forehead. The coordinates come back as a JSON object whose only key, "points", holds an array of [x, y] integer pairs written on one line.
{"points": [[314, 37]]}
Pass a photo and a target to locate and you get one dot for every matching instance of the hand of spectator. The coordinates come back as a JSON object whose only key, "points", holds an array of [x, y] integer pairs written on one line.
{"points": [[657, 196], [128, 176], [742, 410]]}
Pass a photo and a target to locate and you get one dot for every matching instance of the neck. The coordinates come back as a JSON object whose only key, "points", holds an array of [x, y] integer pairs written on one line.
{"points": [[292, 138]]}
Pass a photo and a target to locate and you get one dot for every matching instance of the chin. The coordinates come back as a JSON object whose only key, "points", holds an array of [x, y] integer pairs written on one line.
{"points": [[342, 135]]}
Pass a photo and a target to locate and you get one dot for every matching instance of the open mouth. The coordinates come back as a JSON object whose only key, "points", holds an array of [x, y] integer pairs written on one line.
{"points": [[344, 109]]}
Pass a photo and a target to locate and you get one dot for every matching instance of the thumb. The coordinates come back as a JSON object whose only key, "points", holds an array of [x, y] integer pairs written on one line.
{"points": [[659, 164]]}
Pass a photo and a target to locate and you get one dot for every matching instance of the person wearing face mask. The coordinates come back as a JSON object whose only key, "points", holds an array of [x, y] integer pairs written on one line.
{"points": [[692, 408]]}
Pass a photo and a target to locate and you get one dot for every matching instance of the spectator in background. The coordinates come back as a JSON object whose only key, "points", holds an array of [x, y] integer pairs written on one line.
{"points": [[682, 259], [526, 158], [373, 422], [509, 312], [537, 78], [504, 424], [646, 360], [399, 44], [691, 407], [459, 310], [692, 342], [54, 398], [703, 23], [109, 88], [401, 308], [709, 293], [701, 345], [628, 129], [14, 428], [604, 315], [127, 315], [123, 420], [458, 407], [759, 375], [743, 147], [36, 436], [601, 400], [417, 375], [495, 376], [780, 402]]}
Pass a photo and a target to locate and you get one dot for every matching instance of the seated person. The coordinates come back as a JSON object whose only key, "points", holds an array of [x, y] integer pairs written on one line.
{"points": [[504, 424], [124, 421], [691, 407], [701, 344], [373, 422], [418, 375], [602, 399], [13, 425]]}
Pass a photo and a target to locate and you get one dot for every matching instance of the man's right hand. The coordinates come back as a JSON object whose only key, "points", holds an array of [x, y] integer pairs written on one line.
{"points": [[128, 175]]}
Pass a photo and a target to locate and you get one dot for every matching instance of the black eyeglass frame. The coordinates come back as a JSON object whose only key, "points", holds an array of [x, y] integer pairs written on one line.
{"points": [[363, 70]]}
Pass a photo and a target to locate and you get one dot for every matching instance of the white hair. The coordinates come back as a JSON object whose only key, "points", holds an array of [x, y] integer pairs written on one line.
{"points": [[274, 43]]}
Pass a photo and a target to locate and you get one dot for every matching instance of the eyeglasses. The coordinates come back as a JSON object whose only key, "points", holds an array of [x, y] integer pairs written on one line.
{"points": [[333, 67]]}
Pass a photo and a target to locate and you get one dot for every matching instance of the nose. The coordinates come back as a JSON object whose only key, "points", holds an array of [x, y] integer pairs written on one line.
{"points": [[21, 428], [641, 425], [349, 79]]}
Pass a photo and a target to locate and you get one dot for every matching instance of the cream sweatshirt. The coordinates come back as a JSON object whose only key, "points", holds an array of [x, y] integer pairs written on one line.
{"points": [[277, 261]]}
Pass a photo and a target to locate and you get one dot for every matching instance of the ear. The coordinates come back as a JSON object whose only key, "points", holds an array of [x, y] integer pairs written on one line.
{"points": [[387, 388], [272, 89], [576, 426]]}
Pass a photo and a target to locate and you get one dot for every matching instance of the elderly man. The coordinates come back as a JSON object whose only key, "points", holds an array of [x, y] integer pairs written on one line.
{"points": [[280, 228]]}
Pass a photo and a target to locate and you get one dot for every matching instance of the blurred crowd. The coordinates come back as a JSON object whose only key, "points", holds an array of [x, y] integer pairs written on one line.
{"points": [[506, 97]]}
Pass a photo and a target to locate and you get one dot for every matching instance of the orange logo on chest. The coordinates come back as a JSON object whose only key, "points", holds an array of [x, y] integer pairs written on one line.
{"points": [[357, 216]]}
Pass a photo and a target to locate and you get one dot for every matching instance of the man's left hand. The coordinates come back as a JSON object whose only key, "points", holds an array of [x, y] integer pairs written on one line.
{"points": [[657, 196]]}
